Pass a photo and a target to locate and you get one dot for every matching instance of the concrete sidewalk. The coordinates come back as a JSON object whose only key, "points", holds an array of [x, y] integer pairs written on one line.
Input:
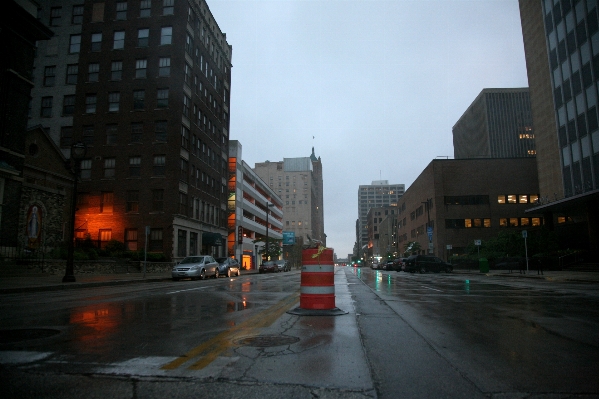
{"points": [[548, 275], [35, 282]]}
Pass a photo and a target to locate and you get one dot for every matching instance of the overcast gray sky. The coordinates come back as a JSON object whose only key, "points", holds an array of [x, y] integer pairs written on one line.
{"points": [[377, 83]]}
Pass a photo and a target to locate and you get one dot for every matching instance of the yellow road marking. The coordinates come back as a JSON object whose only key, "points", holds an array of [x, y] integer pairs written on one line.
{"points": [[224, 340]]}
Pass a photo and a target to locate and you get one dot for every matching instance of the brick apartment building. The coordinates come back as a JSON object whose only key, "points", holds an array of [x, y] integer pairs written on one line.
{"points": [[151, 103], [467, 199]]}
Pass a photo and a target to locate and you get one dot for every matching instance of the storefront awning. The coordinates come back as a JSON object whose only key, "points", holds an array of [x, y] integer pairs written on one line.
{"points": [[213, 239]]}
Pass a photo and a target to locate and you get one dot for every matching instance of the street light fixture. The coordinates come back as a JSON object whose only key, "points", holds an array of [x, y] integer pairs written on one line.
{"points": [[267, 246], [78, 151]]}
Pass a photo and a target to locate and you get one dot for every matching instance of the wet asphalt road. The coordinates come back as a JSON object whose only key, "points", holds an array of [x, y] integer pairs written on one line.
{"points": [[405, 335]]}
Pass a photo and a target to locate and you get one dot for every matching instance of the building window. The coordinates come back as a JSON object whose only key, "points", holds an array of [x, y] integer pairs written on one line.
{"points": [[160, 131], [93, 72], [187, 74], [119, 40], [189, 45], [138, 99], [90, 103], [135, 166], [137, 129], [184, 137], [121, 10], [132, 201], [155, 243], [183, 203], [98, 12], [182, 243], [157, 200], [184, 170], [501, 199], [186, 105], [88, 135], [193, 243], [77, 16], [72, 71], [513, 222], [143, 37], [68, 105], [96, 42], [111, 132], [66, 136], [159, 165], [116, 70], [145, 8], [141, 67], [105, 236], [74, 44], [109, 167], [523, 199], [131, 239], [106, 202], [50, 75], [162, 98], [512, 199], [113, 101], [55, 14], [166, 35], [86, 169], [164, 66], [46, 109], [168, 7]]}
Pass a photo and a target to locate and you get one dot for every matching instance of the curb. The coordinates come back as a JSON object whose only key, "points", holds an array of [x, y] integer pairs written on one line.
{"points": [[75, 285]]}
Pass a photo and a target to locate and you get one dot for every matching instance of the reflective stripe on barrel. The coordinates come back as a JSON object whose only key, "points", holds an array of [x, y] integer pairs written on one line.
{"points": [[317, 289]]}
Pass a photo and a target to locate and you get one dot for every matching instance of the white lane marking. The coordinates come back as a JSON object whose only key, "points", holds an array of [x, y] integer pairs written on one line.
{"points": [[16, 357], [429, 288], [189, 289]]}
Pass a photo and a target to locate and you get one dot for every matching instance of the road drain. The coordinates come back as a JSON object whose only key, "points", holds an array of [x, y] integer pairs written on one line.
{"points": [[24, 334], [265, 341]]}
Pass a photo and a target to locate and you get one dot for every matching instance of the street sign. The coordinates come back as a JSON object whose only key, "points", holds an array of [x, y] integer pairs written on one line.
{"points": [[430, 245], [288, 237], [524, 233], [240, 234], [477, 243], [449, 246], [429, 231]]}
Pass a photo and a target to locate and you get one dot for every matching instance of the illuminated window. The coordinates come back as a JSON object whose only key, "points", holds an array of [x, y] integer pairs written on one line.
{"points": [[513, 222], [561, 219], [534, 198], [511, 199], [503, 222], [107, 202], [532, 152], [477, 223], [523, 199], [524, 221], [536, 221], [131, 239], [501, 199], [105, 236], [487, 222], [467, 223]]}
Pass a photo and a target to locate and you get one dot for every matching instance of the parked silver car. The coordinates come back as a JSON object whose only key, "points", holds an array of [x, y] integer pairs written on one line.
{"points": [[195, 267], [228, 267]]}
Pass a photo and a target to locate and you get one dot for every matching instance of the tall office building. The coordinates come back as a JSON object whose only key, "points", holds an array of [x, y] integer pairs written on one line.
{"points": [[376, 195], [299, 184], [146, 84], [561, 43], [498, 124]]}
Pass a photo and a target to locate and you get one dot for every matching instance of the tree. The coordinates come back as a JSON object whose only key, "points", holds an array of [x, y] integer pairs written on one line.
{"points": [[274, 248], [411, 247]]}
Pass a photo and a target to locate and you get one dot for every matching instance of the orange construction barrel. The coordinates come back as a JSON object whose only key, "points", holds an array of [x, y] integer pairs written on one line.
{"points": [[317, 289]]}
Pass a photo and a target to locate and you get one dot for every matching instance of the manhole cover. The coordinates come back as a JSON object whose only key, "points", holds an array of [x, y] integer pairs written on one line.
{"points": [[24, 334], [264, 341]]}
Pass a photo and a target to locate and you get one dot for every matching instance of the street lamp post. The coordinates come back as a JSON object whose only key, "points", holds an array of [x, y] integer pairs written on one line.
{"points": [[267, 247], [78, 151]]}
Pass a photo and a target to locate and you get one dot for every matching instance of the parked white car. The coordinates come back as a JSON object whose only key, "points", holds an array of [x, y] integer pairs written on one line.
{"points": [[195, 267]]}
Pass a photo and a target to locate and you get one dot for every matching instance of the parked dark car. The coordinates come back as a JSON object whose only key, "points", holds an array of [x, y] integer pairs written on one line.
{"points": [[426, 263], [228, 267], [283, 265], [268, 266], [388, 265]]}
